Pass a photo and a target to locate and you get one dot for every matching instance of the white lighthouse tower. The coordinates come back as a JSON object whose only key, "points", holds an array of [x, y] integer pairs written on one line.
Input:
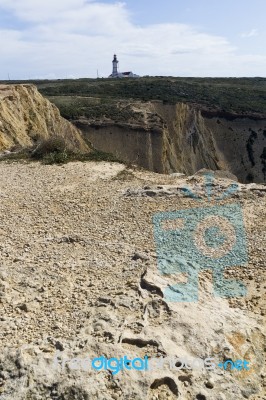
{"points": [[116, 74], [115, 66]]}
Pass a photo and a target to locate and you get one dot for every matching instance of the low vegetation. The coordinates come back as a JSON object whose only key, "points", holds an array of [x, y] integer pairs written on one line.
{"points": [[72, 107], [55, 151], [97, 97]]}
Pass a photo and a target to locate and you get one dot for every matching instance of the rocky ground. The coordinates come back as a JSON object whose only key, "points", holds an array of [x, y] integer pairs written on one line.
{"points": [[79, 278]]}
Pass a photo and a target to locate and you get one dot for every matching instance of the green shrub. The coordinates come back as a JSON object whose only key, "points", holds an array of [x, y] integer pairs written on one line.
{"points": [[52, 151], [97, 155], [53, 145], [56, 158]]}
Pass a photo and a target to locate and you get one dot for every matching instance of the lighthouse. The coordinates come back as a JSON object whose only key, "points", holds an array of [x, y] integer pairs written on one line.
{"points": [[115, 66], [116, 74]]}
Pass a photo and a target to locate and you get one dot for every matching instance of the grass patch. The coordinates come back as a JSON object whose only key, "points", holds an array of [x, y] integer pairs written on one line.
{"points": [[56, 158], [55, 151], [95, 155], [124, 175], [20, 155], [73, 107]]}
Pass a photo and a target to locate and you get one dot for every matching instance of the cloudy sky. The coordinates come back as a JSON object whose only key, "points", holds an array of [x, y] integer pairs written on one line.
{"points": [[75, 38]]}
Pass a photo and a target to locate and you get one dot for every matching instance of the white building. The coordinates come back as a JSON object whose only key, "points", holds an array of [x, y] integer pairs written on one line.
{"points": [[117, 74]]}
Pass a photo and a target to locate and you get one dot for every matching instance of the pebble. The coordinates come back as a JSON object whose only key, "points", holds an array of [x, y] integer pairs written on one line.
{"points": [[209, 384]]}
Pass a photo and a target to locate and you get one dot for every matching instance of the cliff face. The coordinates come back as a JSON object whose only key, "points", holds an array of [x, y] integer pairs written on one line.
{"points": [[161, 138], [183, 138], [26, 116]]}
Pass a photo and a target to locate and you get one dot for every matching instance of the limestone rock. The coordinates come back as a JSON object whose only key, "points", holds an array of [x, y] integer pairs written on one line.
{"points": [[27, 117]]}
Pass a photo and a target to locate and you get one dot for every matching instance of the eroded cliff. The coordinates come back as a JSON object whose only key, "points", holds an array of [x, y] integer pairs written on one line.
{"points": [[183, 138], [161, 137], [26, 117]]}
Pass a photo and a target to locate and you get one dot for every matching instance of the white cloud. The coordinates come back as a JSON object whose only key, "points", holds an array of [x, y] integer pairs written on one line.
{"points": [[76, 37], [252, 33], [40, 10]]}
